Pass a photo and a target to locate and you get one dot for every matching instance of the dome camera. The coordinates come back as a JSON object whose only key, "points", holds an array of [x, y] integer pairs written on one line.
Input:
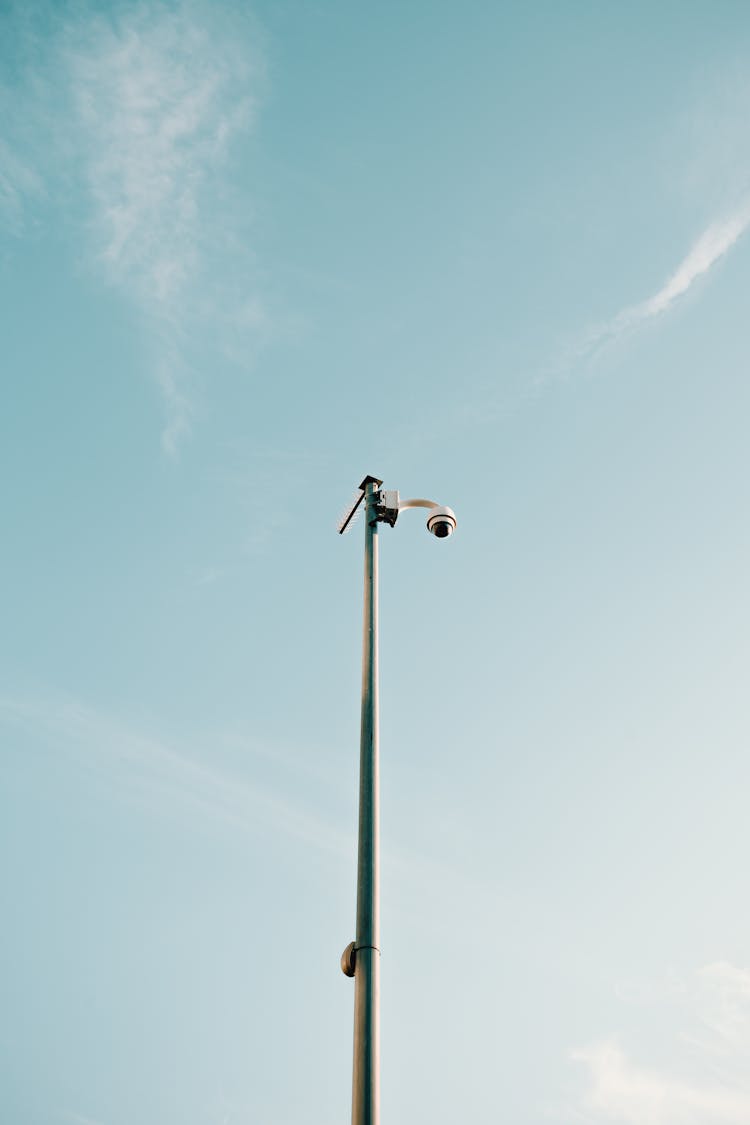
{"points": [[441, 522]]}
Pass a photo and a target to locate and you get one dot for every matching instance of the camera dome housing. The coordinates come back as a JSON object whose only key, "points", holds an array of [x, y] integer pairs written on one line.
{"points": [[441, 522]]}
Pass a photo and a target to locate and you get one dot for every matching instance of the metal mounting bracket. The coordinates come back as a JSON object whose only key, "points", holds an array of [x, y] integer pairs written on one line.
{"points": [[348, 959]]}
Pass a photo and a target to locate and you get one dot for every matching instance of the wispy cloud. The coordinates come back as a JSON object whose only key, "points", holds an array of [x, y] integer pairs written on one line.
{"points": [[152, 771], [713, 244], [203, 783], [18, 182], [709, 1083], [138, 112], [80, 1119], [625, 1092], [709, 248]]}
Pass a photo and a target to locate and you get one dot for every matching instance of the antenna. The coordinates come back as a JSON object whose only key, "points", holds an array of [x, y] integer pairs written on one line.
{"points": [[352, 512]]}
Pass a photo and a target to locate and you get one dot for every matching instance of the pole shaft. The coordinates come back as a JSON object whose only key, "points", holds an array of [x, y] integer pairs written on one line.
{"points": [[366, 1072]]}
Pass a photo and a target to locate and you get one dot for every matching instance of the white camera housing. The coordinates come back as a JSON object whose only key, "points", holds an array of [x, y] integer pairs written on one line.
{"points": [[441, 522]]}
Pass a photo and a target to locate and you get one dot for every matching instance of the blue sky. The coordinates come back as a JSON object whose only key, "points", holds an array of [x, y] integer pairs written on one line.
{"points": [[497, 255]]}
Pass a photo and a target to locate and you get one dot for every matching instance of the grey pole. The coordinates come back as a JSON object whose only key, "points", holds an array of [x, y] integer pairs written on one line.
{"points": [[366, 1073], [361, 958]]}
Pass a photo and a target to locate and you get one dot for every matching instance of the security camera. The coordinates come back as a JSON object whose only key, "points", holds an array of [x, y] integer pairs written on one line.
{"points": [[441, 522]]}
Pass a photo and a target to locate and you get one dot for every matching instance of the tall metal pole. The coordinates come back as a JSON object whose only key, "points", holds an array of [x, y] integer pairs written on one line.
{"points": [[361, 958], [366, 1073]]}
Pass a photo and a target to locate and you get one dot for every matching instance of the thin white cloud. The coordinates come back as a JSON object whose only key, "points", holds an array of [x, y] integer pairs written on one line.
{"points": [[138, 111], [709, 1081], [160, 95], [151, 771], [716, 241], [156, 97], [168, 779], [18, 182], [80, 1119], [712, 245]]}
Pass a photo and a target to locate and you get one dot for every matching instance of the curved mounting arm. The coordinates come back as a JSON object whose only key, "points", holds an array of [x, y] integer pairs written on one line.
{"points": [[417, 504], [388, 505]]}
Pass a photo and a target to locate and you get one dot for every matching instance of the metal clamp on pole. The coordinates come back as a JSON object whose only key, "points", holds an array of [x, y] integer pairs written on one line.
{"points": [[348, 959]]}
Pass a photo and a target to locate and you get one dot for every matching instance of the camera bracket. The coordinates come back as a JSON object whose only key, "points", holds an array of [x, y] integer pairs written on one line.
{"points": [[386, 506], [348, 959]]}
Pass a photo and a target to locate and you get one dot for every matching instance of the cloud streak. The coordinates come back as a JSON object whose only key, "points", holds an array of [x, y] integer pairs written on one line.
{"points": [[712, 245], [139, 111], [170, 779], [150, 771], [160, 96]]}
